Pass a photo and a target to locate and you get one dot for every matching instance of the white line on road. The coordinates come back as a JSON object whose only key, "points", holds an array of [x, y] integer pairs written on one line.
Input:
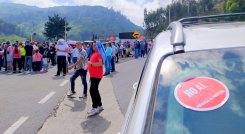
{"points": [[45, 99], [63, 83], [16, 125]]}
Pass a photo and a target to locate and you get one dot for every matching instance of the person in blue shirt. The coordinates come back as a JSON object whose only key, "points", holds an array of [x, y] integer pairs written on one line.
{"points": [[108, 52]]}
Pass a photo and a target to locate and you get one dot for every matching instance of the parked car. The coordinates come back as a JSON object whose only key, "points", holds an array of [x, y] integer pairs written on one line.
{"points": [[193, 82]]}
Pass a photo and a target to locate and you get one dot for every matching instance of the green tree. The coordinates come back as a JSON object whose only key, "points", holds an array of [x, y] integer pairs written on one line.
{"points": [[232, 6], [55, 27]]}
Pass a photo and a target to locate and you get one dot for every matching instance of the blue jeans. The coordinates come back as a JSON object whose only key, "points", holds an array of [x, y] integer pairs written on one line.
{"points": [[136, 53], [142, 53], [74, 60], [83, 74], [113, 64], [28, 62], [108, 69]]}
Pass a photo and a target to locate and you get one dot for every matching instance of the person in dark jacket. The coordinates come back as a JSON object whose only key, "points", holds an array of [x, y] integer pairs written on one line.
{"points": [[28, 58]]}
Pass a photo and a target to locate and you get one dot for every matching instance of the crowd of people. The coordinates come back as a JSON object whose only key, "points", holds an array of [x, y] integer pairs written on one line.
{"points": [[26, 56]]}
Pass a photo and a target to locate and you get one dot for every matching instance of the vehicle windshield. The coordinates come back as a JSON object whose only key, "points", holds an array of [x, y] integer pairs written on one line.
{"points": [[224, 65]]}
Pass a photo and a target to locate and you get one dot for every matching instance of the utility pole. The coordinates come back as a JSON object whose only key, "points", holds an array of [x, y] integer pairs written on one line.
{"points": [[188, 8], [169, 15]]}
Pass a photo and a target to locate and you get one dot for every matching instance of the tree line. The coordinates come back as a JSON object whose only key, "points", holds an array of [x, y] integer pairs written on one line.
{"points": [[157, 21], [9, 29]]}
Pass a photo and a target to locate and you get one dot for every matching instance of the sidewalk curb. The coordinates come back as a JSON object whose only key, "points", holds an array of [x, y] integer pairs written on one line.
{"points": [[71, 116]]}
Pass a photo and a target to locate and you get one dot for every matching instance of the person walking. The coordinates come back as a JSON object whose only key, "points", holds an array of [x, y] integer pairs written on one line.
{"points": [[28, 58], [61, 52], [95, 68], [81, 70]]}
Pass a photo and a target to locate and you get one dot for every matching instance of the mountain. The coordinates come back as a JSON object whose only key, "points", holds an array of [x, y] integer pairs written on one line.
{"points": [[84, 20]]}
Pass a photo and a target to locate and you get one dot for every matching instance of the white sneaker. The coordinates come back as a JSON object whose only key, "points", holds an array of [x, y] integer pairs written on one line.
{"points": [[100, 108], [71, 94], [83, 96], [93, 111]]}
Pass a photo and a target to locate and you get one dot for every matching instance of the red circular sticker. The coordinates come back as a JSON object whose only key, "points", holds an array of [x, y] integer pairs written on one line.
{"points": [[201, 93]]}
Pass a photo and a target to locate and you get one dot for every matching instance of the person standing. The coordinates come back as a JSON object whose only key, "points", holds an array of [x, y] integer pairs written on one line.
{"points": [[52, 54], [61, 52], [5, 46], [108, 52], [10, 58], [1, 56], [117, 52], [81, 70], [28, 58], [37, 58], [16, 59], [142, 48], [23, 55], [74, 54], [95, 68], [136, 49], [113, 57]]}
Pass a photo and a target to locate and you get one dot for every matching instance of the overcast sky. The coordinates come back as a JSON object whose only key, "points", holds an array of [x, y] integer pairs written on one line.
{"points": [[133, 9]]}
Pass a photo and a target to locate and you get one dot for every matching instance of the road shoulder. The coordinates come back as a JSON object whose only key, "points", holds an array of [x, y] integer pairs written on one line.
{"points": [[71, 116]]}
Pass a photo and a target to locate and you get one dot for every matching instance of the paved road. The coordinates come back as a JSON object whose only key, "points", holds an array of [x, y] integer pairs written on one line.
{"points": [[126, 75], [23, 103]]}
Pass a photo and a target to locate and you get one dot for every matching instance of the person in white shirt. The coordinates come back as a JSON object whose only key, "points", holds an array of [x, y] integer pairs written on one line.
{"points": [[61, 52], [74, 54]]}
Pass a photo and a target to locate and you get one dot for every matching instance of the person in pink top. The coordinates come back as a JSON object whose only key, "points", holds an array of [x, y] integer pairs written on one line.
{"points": [[37, 57], [16, 59]]}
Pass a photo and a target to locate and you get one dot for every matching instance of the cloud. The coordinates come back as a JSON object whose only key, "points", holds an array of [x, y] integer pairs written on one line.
{"points": [[132, 9], [38, 3]]}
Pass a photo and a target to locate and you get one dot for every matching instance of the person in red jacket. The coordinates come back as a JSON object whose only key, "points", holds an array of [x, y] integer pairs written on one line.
{"points": [[16, 59], [95, 69]]}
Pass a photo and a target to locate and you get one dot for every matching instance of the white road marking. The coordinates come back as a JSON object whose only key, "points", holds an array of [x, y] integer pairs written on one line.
{"points": [[63, 83], [16, 125], [45, 99]]}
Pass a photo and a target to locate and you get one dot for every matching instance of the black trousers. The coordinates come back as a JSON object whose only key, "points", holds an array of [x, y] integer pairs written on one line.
{"points": [[94, 92], [37, 66], [22, 62], [52, 57], [117, 57], [61, 60], [16, 61]]}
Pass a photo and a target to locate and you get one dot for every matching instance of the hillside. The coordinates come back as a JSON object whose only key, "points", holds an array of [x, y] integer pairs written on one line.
{"points": [[85, 20]]}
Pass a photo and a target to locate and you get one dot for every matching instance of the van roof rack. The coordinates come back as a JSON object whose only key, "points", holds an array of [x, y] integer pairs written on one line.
{"points": [[191, 20], [177, 37], [177, 34]]}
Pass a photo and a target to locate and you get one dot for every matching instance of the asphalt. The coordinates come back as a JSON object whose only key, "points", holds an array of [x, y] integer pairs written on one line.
{"points": [[126, 75], [19, 97]]}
